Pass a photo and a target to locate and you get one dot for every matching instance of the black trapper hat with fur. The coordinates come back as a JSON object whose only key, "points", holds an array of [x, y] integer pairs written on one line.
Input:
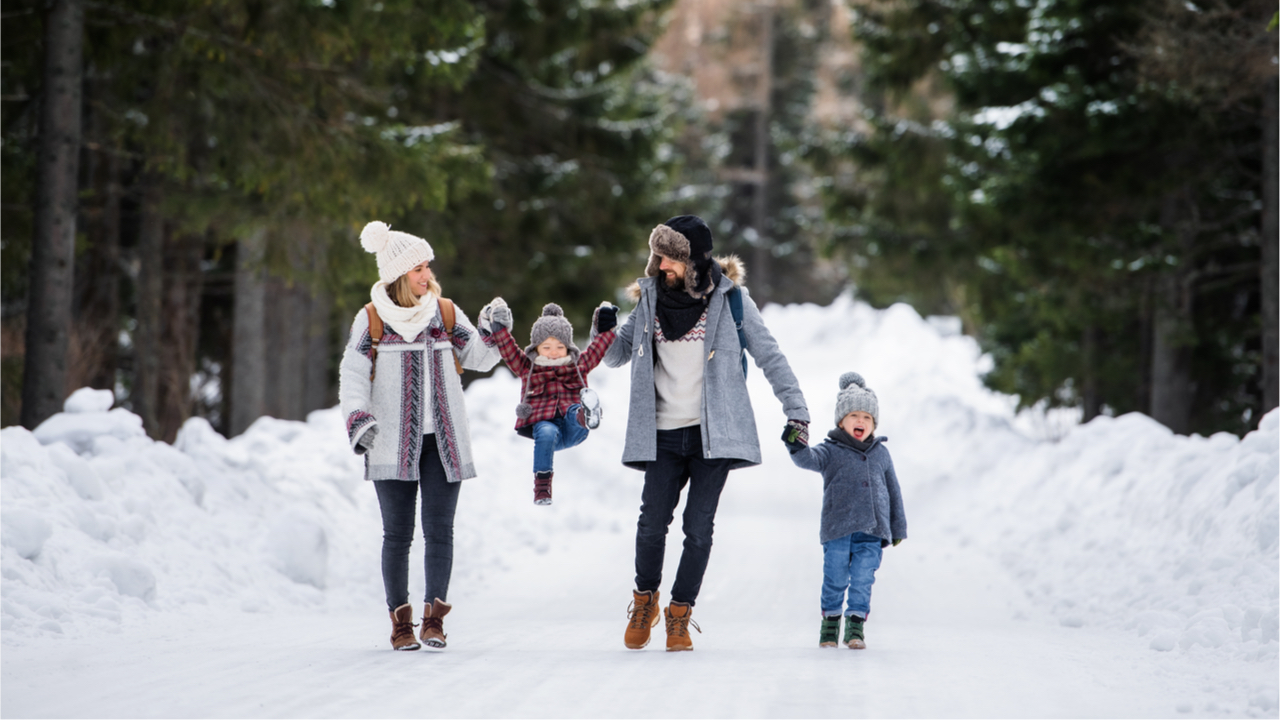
{"points": [[685, 239]]}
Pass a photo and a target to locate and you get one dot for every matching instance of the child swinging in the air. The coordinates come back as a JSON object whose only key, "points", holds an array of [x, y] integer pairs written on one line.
{"points": [[557, 409]]}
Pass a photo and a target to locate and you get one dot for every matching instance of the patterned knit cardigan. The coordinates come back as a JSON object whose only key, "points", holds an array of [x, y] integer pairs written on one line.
{"points": [[395, 402]]}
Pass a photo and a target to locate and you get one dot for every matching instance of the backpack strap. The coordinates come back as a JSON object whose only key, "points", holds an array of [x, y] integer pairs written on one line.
{"points": [[735, 307], [447, 314], [375, 335]]}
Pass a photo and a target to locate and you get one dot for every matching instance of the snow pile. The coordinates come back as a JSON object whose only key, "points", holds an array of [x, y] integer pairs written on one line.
{"points": [[101, 523], [1119, 525]]}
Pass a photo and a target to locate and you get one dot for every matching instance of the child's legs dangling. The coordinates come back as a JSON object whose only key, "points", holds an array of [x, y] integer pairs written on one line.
{"points": [[864, 559], [572, 433], [835, 574], [546, 438]]}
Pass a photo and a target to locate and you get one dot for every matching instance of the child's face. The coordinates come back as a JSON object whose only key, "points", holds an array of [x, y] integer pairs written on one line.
{"points": [[858, 424], [552, 349]]}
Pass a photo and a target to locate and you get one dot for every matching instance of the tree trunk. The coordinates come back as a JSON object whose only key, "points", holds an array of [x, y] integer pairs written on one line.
{"points": [[1090, 396], [150, 291], [1270, 239], [98, 275], [248, 377], [183, 291], [319, 350], [287, 324], [1171, 386], [762, 256], [52, 269], [1172, 390]]}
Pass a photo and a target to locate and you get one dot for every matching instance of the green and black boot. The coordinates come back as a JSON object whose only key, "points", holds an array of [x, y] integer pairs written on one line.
{"points": [[830, 633], [853, 636]]}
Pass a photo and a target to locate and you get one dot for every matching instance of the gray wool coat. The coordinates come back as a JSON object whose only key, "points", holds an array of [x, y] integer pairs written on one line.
{"points": [[860, 490], [728, 422]]}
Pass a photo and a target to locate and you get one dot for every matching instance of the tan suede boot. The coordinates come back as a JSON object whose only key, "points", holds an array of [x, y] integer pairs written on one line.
{"points": [[402, 629], [643, 608], [432, 634], [678, 622]]}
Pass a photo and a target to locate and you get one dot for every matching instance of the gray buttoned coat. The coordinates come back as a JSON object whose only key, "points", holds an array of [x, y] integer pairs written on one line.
{"points": [[728, 422]]}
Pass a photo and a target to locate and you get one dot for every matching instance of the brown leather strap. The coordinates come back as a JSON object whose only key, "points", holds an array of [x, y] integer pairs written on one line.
{"points": [[447, 314], [375, 335]]}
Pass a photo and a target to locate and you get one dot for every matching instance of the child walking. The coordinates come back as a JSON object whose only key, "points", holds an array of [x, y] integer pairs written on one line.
{"points": [[557, 409], [861, 508]]}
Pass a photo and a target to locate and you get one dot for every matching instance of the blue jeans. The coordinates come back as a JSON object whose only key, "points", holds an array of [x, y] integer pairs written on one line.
{"points": [[849, 563], [397, 500], [679, 462], [551, 436]]}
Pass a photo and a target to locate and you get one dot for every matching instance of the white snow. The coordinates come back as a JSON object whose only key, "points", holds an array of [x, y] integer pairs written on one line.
{"points": [[1119, 570]]}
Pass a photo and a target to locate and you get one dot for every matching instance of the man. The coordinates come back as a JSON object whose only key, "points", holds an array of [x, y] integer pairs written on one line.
{"points": [[690, 420]]}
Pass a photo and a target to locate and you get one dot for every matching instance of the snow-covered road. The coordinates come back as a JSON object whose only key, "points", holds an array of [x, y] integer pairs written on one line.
{"points": [[1119, 572]]}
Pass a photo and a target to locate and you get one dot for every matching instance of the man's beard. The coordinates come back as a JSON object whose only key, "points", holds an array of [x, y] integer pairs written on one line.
{"points": [[675, 282]]}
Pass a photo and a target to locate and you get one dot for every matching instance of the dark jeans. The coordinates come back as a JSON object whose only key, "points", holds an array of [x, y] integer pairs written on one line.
{"points": [[679, 463], [397, 499]]}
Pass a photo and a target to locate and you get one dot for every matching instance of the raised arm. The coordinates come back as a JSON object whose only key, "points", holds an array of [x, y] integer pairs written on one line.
{"points": [[473, 352]]}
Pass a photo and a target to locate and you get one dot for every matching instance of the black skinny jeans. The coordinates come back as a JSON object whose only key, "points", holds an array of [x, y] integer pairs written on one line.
{"points": [[679, 462], [397, 499]]}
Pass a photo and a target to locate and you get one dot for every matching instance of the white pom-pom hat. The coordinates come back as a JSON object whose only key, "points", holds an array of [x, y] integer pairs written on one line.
{"points": [[856, 396], [398, 252]]}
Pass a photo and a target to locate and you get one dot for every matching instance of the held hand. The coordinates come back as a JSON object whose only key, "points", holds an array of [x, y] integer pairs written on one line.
{"points": [[796, 435], [501, 314], [606, 318]]}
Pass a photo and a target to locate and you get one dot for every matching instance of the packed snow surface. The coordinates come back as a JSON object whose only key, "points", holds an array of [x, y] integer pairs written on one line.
{"points": [[1109, 569]]}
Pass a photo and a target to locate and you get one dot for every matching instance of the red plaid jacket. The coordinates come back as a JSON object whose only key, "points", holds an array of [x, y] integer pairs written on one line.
{"points": [[549, 390]]}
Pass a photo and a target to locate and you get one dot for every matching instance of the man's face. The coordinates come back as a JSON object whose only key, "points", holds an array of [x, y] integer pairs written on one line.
{"points": [[672, 271]]}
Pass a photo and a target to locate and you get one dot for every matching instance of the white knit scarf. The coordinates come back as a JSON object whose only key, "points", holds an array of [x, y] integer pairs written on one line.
{"points": [[408, 322]]}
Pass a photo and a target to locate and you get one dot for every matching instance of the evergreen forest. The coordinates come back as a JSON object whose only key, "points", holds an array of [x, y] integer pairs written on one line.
{"points": [[1090, 186]]}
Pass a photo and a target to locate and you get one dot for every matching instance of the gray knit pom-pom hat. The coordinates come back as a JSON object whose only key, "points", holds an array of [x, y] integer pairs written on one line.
{"points": [[856, 396], [552, 324]]}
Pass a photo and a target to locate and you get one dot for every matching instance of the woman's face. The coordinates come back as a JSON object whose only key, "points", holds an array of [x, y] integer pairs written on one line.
{"points": [[420, 279]]}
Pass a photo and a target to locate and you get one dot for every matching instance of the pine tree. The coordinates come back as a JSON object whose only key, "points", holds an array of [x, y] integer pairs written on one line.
{"points": [[1095, 228]]}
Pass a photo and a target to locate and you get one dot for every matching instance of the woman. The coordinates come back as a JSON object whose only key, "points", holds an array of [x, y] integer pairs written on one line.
{"points": [[405, 413]]}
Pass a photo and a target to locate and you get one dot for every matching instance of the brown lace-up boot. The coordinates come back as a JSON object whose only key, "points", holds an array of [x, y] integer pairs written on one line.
{"points": [[641, 613], [402, 628], [678, 622], [432, 634]]}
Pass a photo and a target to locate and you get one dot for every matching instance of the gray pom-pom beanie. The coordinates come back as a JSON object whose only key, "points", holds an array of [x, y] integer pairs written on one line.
{"points": [[552, 324], [856, 396]]}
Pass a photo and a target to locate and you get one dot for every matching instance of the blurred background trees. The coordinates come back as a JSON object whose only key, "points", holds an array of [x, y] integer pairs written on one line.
{"points": [[1089, 186]]}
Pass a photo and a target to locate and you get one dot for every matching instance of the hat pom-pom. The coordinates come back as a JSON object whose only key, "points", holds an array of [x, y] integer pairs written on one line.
{"points": [[524, 410], [852, 378], [552, 309], [375, 235]]}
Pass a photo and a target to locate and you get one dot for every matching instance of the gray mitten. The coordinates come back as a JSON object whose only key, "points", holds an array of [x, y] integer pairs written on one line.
{"points": [[501, 314], [365, 443]]}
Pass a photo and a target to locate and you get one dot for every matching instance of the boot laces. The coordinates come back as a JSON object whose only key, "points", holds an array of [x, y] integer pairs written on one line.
{"points": [[679, 626], [642, 615], [433, 623], [401, 629]]}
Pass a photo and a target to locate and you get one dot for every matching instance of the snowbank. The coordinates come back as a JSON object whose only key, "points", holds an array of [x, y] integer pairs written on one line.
{"points": [[1120, 524]]}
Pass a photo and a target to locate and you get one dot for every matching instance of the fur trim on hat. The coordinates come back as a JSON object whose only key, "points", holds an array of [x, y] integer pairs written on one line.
{"points": [[731, 265]]}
